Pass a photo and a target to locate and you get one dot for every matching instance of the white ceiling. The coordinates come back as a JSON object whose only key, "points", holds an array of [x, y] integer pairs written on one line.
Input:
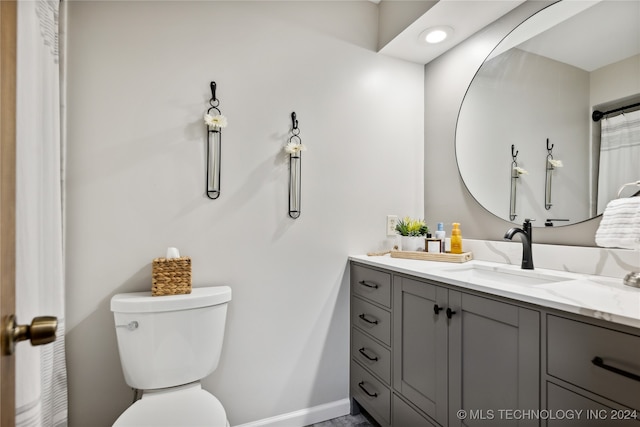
{"points": [[613, 30], [466, 17]]}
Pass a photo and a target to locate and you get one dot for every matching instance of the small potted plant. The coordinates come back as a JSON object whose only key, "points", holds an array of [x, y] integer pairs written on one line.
{"points": [[412, 233]]}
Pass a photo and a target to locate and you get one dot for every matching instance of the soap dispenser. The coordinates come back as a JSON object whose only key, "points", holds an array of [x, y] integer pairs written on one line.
{"points": [[456, 239], [441, 234]]}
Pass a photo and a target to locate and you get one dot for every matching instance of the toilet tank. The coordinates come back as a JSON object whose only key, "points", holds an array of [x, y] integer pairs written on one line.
{"points": [[166, 341]]}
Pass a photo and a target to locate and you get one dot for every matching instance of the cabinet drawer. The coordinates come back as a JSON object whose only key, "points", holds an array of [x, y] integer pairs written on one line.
{"points": [[585, 412], [572, 348], [371, 319], [372, 284], [371, 354], [373, 395]]}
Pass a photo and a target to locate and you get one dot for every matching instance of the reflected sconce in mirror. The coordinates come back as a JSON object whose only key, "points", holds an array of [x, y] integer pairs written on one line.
{"points": [[516, 171], [214, 121], [548, 176], [551, 165], [294, 148]]}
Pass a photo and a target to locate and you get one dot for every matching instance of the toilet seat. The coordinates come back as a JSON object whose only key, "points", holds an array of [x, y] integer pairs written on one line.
{"points": [[183, 406]]}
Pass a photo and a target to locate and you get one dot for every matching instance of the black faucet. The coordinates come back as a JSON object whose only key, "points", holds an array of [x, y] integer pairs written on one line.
{"points": [[527, 254]]}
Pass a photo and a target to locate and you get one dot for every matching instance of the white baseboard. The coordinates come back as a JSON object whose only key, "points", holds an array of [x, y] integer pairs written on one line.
{"points": [[307, 416]]}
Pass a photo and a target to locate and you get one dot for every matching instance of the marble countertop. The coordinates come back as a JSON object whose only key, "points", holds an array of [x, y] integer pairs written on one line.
{"points": [[599, 297]]}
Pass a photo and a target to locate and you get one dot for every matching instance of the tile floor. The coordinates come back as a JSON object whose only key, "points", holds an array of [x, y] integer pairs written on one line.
{"points": [[347, 421]]}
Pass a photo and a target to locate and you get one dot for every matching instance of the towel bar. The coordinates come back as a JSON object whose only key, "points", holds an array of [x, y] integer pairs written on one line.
{"points": [[636, 183]]}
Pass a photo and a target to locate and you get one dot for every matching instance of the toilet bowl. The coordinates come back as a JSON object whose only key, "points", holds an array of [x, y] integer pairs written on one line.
{"points": [[167, 344], [187, 405]]}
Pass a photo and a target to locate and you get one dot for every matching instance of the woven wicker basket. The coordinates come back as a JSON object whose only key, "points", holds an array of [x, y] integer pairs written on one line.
{"points": [[171, 276]]}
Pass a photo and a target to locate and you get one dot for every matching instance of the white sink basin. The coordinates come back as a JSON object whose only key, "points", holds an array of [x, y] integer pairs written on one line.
{"points": [[501, 275]]}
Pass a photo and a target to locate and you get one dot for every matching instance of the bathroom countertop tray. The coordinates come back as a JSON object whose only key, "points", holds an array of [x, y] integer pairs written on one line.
{"points": [[430, 256]]}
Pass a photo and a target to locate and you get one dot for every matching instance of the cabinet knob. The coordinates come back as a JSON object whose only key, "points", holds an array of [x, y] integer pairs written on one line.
{"points": [[437, 309], [450, 313]]}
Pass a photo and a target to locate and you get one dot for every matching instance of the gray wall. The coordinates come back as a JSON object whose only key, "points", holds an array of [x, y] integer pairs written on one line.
{"points": [[397, 15], [446, 197], [615, 81], [138, 86]]}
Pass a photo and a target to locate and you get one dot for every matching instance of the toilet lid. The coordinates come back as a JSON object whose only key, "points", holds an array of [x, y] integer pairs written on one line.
{"points": [[192, 406]]}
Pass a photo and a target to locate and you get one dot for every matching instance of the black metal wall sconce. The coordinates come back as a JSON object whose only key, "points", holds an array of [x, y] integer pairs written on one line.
{"points": [[214, 122], [551, 165], [514, 178], [547, 178], [294, 148]]}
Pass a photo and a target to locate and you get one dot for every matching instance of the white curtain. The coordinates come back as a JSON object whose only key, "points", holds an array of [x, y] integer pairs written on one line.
{"points": [[619, 155], [41, 379]]}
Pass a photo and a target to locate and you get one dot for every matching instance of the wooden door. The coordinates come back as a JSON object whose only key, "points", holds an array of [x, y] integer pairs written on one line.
{"points": [[7, 198]]}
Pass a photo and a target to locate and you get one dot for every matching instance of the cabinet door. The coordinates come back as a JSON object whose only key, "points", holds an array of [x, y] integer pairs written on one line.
{"points": [[420, 345], [494, 350]]}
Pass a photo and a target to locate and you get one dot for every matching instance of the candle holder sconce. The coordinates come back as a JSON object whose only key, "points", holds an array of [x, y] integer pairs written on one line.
{"points": [[548, 175], [514, 179], [214, 121], [294, 148], [550, 165]]}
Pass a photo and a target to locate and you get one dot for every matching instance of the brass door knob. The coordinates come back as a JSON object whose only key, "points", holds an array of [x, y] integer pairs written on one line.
{"points": [[41, 331]]}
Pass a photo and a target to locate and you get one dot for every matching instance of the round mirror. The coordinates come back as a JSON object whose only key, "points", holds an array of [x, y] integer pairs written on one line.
{"points": [[527, 145]]}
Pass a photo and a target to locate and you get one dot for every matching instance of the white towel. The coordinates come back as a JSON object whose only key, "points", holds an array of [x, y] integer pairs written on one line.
{"points": [[620, 225]]}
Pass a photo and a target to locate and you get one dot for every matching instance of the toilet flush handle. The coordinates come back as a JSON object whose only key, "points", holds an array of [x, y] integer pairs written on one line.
{"points": [[133, 325]]}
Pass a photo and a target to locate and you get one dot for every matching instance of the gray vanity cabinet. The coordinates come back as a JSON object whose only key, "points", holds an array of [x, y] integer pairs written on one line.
{"points": [[424, 352], [456, 351]]}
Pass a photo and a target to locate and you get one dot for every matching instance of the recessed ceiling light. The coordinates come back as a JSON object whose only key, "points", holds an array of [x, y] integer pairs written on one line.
{"points": [[435, 35]]}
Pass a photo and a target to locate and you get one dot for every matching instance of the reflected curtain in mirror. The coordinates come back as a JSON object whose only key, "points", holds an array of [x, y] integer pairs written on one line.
{"points": [[619, 155]]}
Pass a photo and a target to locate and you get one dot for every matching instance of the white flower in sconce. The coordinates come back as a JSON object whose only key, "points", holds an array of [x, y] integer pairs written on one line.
{"points": [[215, 122], [520, 171], [555, 163], [294, 147]]}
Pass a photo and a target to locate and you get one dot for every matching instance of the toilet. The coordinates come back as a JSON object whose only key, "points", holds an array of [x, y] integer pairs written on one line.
{"points": [[167, 344]]}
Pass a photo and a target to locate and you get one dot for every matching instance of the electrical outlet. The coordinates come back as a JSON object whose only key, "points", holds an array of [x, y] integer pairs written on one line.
{"points": [[392, 221]]}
